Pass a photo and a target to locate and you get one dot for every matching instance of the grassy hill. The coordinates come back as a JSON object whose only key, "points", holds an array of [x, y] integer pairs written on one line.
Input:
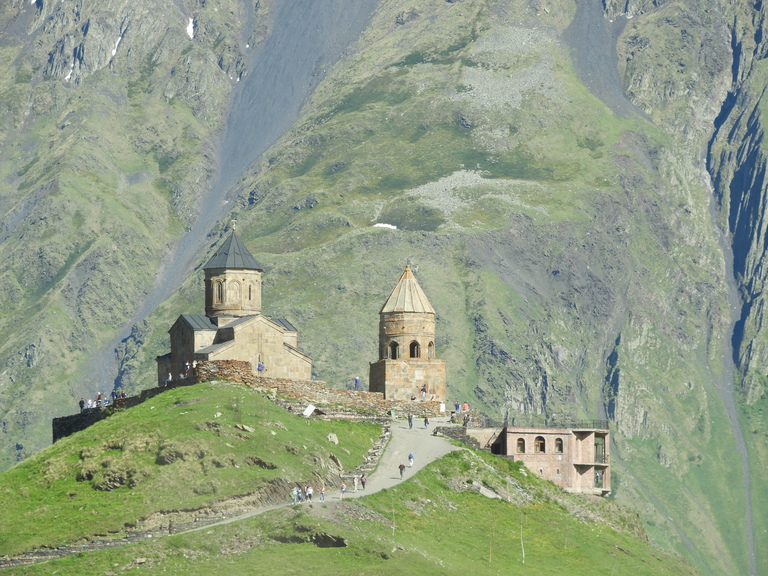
{"points": [[181, 453], [573, 253]]}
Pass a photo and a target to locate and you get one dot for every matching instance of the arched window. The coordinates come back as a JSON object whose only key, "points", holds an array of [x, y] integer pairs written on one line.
{"points": [[431, 350], [539, 445], [234, 289], [220, 291], [394, 353], [521, 445], [414, 349], [559, 445], [250, 292]]}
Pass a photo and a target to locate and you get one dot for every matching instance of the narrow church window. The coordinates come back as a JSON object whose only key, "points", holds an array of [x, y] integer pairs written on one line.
{"points": [[521, 445], [539, 445], [559, 445], [414, 349], [220, 291], [250, 291], [393, 350], [431, 350], [235, 290]]}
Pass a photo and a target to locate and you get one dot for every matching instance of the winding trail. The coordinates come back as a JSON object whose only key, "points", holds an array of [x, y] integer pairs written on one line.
{"points": [[425, 447]]}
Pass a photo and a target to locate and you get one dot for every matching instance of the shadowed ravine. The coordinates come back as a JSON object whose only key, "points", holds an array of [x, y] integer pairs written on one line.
{"points": [[305, 40]]}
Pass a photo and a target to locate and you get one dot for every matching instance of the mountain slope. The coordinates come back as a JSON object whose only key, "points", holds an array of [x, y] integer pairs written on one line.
{"points": [[566, 241]]}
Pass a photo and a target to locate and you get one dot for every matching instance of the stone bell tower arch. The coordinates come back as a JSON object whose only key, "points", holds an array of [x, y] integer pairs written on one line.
{"points": [[407, 367]]}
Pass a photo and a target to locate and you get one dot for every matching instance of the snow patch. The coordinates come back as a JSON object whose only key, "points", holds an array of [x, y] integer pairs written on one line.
{"points": [[68, 76], [191, 28], [382, 225], [114, 50]]}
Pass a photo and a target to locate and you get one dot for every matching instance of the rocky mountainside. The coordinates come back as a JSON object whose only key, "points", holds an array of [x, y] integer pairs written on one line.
{"points": [[578, 186]]}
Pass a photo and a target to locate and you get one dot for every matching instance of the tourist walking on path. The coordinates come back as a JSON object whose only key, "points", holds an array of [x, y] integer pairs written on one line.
{"points": [[402, 469], [410, 420], [82, 404], [465, 408], [322, 493], [343, 489], [354, 482], [426, 421], [309, 492], [410, 460], [295, 495], [456, 405], [363, 480]]}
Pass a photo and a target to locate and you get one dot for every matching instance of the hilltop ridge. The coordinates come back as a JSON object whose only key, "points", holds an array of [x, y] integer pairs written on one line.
{"points": [[94, 485]]}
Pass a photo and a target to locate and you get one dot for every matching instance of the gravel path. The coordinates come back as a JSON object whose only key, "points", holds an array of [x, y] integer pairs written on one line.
{"points": [[425, 447]]}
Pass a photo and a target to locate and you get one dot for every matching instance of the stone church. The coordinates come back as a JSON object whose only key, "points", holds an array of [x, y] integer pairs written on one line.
{"points": [[407, 367], [233, 327]]}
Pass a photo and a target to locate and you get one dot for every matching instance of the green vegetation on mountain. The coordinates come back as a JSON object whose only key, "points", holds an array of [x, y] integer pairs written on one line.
{"points": [[570, 251]]}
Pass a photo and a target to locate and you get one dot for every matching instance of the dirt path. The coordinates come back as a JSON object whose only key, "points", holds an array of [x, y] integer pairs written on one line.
{"points": [[404, 440]]}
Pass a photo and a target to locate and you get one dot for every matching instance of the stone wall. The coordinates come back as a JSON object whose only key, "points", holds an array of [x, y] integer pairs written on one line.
{"points": [[403, 379], [315, 393], [67, 425], [231, 370]]}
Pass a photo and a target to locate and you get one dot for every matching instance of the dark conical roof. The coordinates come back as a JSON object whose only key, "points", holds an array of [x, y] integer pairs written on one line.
{"points": [[233, 254]]}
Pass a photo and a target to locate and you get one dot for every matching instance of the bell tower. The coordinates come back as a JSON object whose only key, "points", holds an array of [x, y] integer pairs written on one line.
{"points": [[232, 282], [407, 367]]}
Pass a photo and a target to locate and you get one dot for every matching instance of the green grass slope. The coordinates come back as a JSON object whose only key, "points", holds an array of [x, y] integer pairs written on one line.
{"points": [[177, 455], [181, 451]]}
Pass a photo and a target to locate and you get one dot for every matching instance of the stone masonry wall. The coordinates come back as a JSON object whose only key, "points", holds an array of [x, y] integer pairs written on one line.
{"points": [[315, 393]]}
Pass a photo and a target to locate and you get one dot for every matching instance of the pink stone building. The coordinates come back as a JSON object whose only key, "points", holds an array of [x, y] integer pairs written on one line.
{"points": [[576, 459]]}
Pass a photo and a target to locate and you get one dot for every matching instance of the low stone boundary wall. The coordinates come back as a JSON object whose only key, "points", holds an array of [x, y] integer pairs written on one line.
{"points": [[315, 393], [459, 434]]}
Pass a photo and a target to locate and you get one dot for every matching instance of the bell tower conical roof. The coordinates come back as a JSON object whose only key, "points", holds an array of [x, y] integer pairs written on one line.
{"points": [[233, 254], [407, 296]]}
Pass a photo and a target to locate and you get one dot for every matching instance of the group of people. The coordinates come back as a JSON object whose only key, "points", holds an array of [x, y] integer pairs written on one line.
{"points": [[100, 400], [301, 495], [410, 421], [461, 407], [188, 371]]}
